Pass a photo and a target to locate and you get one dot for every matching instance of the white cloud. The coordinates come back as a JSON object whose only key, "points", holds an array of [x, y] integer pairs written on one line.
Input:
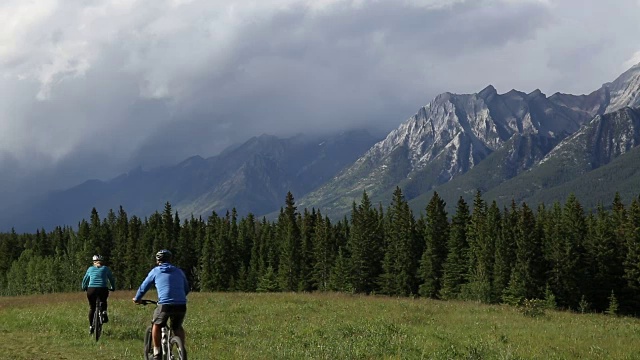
{"points": [[17, 19]]}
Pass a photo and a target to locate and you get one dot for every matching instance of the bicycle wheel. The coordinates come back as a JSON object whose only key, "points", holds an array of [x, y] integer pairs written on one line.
{"points": [[178, 352], [97, 321], [148, 344]]}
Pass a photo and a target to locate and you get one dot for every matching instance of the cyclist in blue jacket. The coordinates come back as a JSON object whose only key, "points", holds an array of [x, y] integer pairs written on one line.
{"points": [[97, 282], [173, 287]]}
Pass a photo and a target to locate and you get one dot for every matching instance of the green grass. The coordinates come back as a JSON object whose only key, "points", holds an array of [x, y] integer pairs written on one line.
{"points": [[315, 326]]}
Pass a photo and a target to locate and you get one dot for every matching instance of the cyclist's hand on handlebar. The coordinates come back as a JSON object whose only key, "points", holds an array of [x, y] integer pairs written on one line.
{"points": [[145, 302]]}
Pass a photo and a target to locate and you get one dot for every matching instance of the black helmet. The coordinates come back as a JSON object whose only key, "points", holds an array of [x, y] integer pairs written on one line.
{"points": [[163, 255], [97, 258]]}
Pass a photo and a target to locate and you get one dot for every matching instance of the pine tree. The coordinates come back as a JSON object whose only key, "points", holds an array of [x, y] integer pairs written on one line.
{"points": [[191, 234], [481, 254], [40, 244], [233, 255], [263, 252], [619, 220], [365, 246], [149, 241], [120, 232], [567, 261], [341, 233], [324, 253], [168, 235], [436, 236], [223, 276], [456, 264], [554, 250], [576, 230], [58, 242], [10, 250], [494, 233], [154, 233], [244, 244], [136, 256], [108, 226], [340, 277], [632, 258], [268, 282], [97, 235], [401, 259], [528, 275], [605, 258], [289, 235], [613, 306], [307, 261], [207, 279], [87, 248], [256, 262]]}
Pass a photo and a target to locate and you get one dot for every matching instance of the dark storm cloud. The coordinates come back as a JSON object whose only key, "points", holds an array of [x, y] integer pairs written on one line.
{"points": [[346, 67]]}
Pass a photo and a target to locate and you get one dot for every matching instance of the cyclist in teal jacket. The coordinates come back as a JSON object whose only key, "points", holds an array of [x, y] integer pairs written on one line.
{"points": [[97, 282]]}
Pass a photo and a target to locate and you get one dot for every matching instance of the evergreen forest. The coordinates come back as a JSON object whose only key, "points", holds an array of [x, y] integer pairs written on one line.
{"points": [[571, 257]]}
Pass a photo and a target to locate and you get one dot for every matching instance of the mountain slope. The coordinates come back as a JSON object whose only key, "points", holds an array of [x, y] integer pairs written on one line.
{"points": [[574, 161], [252, 177], [594, 163]]}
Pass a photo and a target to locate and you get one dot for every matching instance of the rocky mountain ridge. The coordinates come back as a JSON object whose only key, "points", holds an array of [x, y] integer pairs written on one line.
{"points": [[454, 133]]}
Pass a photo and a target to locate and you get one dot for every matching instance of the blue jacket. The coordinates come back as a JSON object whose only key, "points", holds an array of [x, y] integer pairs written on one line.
{"points": [[97, 276], [170, 281]]}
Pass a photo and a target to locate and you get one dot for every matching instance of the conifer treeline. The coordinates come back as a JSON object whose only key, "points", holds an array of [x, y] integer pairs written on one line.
{"points": [[562, 253]]}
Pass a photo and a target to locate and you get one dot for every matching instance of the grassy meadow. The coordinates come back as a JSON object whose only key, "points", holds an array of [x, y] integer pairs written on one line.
{"points": [[314, 326]]}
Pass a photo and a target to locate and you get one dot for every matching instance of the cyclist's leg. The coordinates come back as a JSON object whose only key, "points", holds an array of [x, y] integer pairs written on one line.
{"points": [[156, 334], [104, 295], [91, 296], [160, 318], [177, 318]]}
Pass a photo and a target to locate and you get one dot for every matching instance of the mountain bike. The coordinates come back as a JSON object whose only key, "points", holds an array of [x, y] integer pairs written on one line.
{"points": [[172, 347], [97, 319]]}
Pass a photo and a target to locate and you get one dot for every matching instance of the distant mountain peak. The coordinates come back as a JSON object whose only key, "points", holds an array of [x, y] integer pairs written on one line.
{"points": [[195, 160], [537, 93], [488, 92], [516, 93], [625, 90]]}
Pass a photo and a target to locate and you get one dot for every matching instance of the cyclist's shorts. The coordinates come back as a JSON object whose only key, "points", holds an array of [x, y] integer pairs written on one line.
{"points": [[167, 311]]}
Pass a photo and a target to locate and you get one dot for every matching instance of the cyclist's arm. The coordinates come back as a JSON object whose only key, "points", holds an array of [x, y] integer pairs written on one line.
{"points": [[145, 286], [85, 281], [111, 281]]}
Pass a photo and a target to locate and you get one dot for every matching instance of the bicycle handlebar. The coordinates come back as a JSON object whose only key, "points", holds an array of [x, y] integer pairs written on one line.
{"points": [[147, 302]]}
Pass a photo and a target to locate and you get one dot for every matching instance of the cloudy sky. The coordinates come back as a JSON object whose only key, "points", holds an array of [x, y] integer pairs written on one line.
{"points": [[94, 88]]}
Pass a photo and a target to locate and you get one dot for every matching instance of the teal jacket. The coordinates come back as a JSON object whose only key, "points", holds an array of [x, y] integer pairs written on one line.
{"points": [[98, 277]]}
